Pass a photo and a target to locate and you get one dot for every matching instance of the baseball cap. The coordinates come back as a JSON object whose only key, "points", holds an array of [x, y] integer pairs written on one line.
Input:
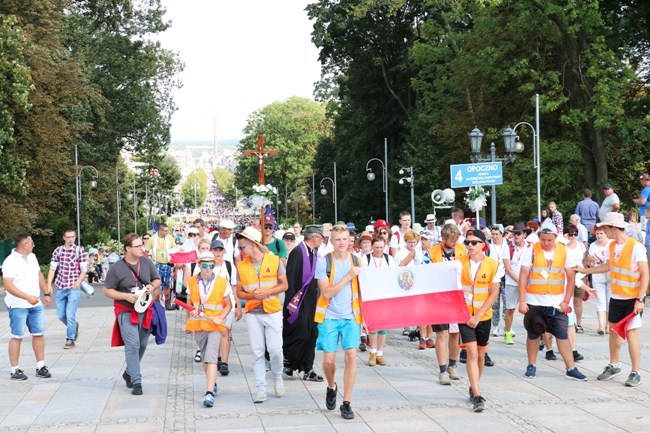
{"points": [[289, 235], [607, 186], [217, 244], [269, 219]]}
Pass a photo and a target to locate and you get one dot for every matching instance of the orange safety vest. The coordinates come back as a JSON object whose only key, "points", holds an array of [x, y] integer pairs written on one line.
{"points": [[479, 287], [268, 279], [554, 284], [625, 282], [435, 252], [213, 306], [323, 302]]}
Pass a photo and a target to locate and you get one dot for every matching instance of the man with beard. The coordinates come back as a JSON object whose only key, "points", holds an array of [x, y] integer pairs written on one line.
{"points": [[299, 331]]}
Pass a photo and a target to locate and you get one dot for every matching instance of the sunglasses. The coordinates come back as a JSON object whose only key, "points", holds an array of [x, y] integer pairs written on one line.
{"points": [[145, 239], [242, 247], [268, 227], [189, 235], [517, 233], [472, 242], [207, 265], [572, 234], [383, 232]]}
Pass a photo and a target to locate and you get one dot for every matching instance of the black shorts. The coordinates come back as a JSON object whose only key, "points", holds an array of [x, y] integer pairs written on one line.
{"points": [[480, 334], [438, 328], [619, 309], [558, 323]]}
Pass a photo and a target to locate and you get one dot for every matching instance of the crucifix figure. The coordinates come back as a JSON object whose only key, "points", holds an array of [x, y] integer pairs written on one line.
{"points": [[261, 153]]}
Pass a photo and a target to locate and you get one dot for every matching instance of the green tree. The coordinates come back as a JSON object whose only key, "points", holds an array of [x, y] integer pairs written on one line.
{"points": [[226, 183], [293, 128], [195, 189]]}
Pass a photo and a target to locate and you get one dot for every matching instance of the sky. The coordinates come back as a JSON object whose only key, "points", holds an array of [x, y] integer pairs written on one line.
{"points": [[239, 55]]}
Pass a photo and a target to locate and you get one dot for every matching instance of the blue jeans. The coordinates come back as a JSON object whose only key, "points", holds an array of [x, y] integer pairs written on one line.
{"points": [[67, 301]]}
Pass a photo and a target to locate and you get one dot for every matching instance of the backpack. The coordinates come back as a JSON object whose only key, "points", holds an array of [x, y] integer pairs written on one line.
{"points": [[328, 263], [385, 257]]}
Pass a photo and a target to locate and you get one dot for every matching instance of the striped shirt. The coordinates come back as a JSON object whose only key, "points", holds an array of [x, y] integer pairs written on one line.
{"points": [[69, 263]]}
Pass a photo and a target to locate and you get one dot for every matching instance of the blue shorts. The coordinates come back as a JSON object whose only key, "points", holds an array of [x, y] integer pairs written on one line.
{"points": [[165, 273], [332, 330], [33, 318]]}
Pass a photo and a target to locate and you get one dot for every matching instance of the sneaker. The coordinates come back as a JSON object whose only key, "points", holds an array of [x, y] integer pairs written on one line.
{"points": [[330, 397], [287, 371], [550, 356], [346, 410], [508, 338], [278, 386], [372, 360], [634, 379], [444, 379], [18, 375], [127, 378], [577, 356], [495, 332], [260, 396], [531, 372], [422, 345], [223, 369], [488, 361], [479, 403], [462, 358], [575, 374], [609, 372], [541, 344], [453, 375], [363, 345], [197, 356], [208, 400], [69, 344], [137, 389], [43, 372], [430, 344], [579, 330], [601, 332]]}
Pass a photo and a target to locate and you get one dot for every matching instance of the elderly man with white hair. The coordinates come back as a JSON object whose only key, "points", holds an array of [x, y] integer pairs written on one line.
{"points": [[583, 233]]}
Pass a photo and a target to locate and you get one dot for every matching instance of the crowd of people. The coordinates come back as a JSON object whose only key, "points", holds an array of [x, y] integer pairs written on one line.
{"points": [[298, 291]]}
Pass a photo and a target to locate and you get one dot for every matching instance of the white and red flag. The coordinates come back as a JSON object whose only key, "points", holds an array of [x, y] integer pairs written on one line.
{"points": [[410, 296]]}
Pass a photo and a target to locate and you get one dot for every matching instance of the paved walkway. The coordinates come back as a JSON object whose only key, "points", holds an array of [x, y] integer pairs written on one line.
{"points": [[86, 392]]}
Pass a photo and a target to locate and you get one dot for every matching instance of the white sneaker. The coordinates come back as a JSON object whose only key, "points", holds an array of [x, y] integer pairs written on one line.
{"points": [[260, 396], [453, 374], [278, 385], [443, 378]]}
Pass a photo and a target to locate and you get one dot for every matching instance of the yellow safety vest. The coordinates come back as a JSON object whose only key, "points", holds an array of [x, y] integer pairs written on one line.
{"points": [[268, 279], [323, 302], [213, 306], [625, 282], [479, 288], [554, 284], [435, 252]]}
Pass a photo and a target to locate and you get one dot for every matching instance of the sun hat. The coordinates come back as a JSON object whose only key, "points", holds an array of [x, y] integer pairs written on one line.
{"points": [[613, 219]]}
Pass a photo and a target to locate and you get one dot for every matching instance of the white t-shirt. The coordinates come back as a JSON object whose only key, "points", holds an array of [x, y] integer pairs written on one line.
{"points": [[24, 270], [638, 255], [397, 240], [608, 205], [475, 266], [401, 255], [515, 263], [542, 300], [378, 262], [323, 250], [599, 253]]}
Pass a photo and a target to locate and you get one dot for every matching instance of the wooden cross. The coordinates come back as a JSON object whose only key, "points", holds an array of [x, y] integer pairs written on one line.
{"points": [[260, 153]]}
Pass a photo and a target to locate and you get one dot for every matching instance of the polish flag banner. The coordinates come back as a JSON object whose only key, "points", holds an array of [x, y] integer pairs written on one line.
{"points": [[182, 258], [410, 296]]}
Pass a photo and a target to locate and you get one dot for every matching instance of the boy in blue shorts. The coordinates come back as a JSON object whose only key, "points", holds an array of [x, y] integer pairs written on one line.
{"points": [[338, 314]]}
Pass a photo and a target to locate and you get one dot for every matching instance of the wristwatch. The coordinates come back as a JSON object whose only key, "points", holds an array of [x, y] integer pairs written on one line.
{"points": [[47, 294]]}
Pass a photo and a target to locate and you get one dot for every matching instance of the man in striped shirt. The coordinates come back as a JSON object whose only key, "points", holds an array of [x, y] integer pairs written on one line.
{"points": [[69, 265]]}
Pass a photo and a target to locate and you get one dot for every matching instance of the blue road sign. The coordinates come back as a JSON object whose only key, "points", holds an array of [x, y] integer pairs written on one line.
{"points": [[482, 173]]}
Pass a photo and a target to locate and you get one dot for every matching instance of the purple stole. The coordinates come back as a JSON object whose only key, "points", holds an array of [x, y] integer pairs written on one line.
{"points": [[308, 274]]}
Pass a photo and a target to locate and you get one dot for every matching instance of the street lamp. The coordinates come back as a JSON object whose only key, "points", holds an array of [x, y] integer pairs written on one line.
{"points": [[384, 173], [323, 191], [511, 147], [536, 155], [411, 180], [93, 185]]}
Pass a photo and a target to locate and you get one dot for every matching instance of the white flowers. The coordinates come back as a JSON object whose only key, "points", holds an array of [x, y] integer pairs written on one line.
{"points": [[265, 190], [476, 198]]}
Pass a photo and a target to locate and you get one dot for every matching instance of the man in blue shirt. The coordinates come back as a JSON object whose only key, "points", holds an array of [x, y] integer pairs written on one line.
{"points": [[587, 209], [642, 201]]}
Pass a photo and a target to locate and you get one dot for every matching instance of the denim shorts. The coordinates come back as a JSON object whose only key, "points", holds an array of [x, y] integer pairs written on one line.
{"points": [[32, 318], [348, 331]]}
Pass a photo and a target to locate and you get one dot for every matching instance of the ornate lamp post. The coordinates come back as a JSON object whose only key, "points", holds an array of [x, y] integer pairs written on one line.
{"points": [[323, 191]]}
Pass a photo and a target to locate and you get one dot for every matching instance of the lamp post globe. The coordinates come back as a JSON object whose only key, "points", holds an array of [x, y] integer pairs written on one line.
{"points": [[323, 191], [370, 176]]}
